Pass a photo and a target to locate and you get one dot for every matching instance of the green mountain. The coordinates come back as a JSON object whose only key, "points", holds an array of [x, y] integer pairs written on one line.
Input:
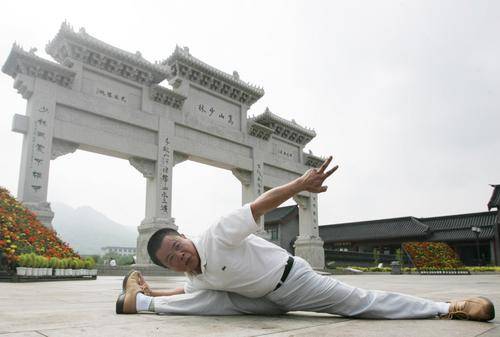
{"points": [[87, 230]]}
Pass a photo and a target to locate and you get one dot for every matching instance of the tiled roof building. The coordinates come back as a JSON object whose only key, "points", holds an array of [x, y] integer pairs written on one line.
{"points": [[387, 235]]}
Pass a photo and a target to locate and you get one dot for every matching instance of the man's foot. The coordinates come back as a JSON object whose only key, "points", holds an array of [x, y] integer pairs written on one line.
{"points": [[475, 309], [125, 304], [145, 289]]}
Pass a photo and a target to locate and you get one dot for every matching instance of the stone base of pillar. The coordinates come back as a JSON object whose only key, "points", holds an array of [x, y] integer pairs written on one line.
{"points": [[146, 229], [42, 211], [311, 249]]}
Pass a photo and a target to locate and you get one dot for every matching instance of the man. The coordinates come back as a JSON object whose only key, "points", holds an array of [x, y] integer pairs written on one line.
{"points": [[232, 271]]}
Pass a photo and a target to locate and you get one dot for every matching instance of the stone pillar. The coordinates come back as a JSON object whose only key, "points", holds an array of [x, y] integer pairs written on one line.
{"points": [[36, 154], [309, 245], [158, 190], [496, 240], [252, 185]]}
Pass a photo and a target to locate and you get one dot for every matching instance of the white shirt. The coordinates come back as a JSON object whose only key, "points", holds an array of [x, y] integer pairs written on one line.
{"points": [[233, 259]]}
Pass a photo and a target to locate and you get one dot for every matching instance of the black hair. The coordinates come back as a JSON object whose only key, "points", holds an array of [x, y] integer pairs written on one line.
{"points": [[155, 242]]}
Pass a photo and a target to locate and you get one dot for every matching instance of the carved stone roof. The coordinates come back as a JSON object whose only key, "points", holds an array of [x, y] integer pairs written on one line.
{"points": [[20, 61], [286, 129], [182, 64], [68, 44], [166, 96], [313, 160], [259, 130]]}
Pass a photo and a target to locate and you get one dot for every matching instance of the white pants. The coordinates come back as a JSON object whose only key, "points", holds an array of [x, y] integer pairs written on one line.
{"points": [[213, 302], [304, 290]]}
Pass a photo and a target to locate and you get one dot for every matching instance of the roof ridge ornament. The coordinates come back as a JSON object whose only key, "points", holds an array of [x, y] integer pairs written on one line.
{"points": [[82, 47], [182, 65], [29, 64], [284, 128]]}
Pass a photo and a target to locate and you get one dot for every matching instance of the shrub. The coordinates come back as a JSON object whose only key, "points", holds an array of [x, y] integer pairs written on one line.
{"points": [[125, 260], [24, 260], [22, 233], [432, 255], [65, 263], [53, 262], [89, 263]]}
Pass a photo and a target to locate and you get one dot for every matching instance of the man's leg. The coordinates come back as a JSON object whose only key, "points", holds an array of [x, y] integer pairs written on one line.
{"points": [[305, 290], [212, 302], [206, 302]]}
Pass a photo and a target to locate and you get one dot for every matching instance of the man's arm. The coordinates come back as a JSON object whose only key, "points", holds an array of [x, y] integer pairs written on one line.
{"points": [[311, 181], [150, 292]]}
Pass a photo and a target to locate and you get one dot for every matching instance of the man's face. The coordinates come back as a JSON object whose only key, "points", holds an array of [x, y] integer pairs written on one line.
{"points": [[179, 254]]}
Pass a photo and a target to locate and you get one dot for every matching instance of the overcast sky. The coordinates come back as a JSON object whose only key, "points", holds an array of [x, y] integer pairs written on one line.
{"points": [[404, 94]]}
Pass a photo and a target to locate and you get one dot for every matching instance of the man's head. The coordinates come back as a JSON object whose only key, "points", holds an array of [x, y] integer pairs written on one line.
{"points": [[167, 248]]}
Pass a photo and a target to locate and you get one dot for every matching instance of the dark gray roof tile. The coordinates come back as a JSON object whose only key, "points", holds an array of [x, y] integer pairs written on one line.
{"points": [[278, 214]]}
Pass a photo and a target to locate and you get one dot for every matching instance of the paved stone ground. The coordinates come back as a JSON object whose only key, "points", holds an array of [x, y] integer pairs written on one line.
{"points": [[86, 308]]}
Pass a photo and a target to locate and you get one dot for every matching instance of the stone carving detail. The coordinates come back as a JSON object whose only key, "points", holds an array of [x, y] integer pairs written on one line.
{"points": [[312, 160], [22, 62], [24, 86], [259, 130], [301, 201], [244, 176], [179, 158], [145, 166], [61, 147], [166, 96], [182, 65], [86, 49], [283, 128]]}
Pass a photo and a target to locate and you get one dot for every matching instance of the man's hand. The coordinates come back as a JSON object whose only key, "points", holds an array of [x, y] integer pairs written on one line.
{"points": [[312, 180]]}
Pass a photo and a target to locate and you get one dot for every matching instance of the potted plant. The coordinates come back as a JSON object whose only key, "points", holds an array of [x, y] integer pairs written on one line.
{"points": [[53, 262], [67, 268], [74, 266], [63, 264], [90, 264], [30, 262], [36, 265], [81, 267], [23, 264], [44, 262], [60, 267]]}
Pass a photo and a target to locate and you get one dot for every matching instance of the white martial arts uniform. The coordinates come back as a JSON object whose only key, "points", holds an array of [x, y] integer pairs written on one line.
{"points": [[246, 269]]}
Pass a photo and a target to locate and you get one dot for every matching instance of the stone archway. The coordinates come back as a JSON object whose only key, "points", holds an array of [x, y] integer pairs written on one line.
{"points": [[100, 98]]}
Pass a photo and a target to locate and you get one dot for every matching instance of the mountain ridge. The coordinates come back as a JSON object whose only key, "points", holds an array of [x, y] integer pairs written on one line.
{"points": [[87, 230]]}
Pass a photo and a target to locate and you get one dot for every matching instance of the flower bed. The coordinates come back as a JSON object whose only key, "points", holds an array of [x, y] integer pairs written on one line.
{"points": [[432, 256], [29, 249]]}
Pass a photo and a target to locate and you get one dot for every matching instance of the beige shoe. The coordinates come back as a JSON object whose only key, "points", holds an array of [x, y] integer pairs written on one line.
{"points": [[125, 304], [474, 309]]}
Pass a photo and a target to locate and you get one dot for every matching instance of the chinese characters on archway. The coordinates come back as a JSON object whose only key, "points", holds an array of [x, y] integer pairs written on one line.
{"points": [[110, 95], [258, 172], [212, 113], [166, 156], [39, 147]]}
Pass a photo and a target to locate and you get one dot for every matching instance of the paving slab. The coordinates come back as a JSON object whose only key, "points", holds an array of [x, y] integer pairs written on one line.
{"points": [[86, 308]]}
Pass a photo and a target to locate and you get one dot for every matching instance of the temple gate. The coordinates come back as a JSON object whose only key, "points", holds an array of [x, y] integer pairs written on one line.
{"points": [[106, 100]]}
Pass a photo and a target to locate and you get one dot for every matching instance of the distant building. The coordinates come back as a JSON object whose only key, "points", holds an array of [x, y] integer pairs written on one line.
{"points": [[387, 235], [117, 250], [282, 224]]}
